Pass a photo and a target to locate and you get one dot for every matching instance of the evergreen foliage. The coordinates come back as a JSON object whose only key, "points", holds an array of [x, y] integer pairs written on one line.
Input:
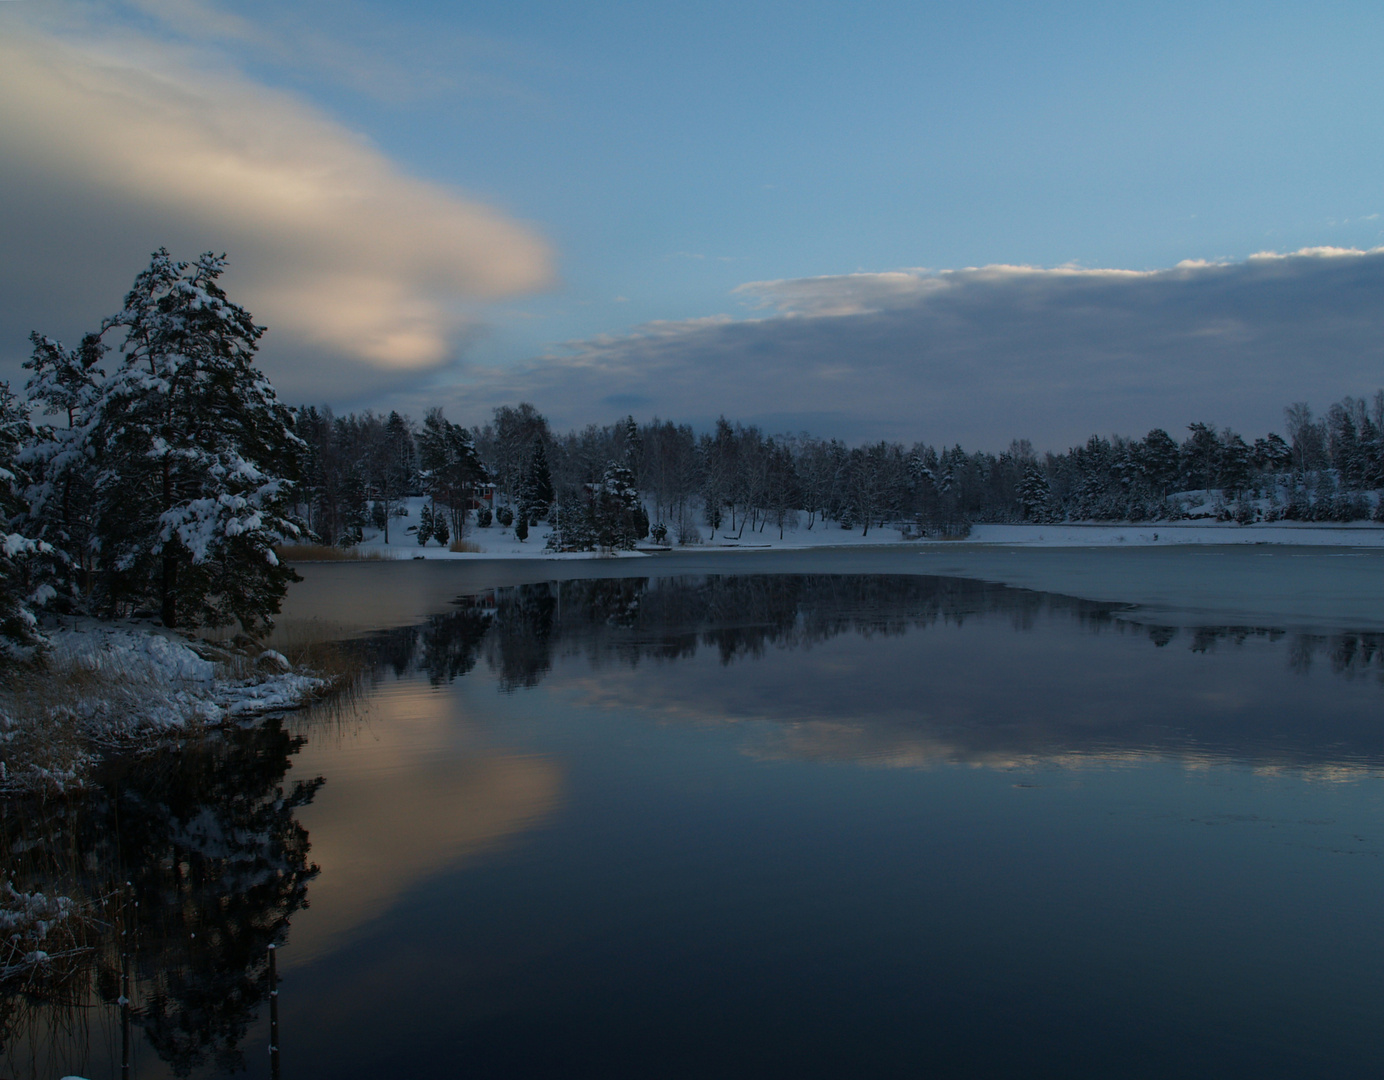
{"points": [[170, 484], [27, 565]]}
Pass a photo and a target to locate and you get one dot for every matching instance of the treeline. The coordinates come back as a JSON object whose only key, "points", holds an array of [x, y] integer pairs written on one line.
{"points": [[612, 485]]}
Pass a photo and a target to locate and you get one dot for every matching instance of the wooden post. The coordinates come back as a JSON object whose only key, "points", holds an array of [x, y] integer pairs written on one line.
{"points": [[124, 1016], [273, 1016]]}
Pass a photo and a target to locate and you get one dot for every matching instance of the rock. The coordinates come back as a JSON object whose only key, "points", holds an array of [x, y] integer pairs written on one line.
{"points": [[271, 661]]}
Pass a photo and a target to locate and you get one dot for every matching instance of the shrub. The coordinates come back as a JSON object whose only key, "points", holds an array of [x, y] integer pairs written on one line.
{"points": [[483, 517], [505, 516]]}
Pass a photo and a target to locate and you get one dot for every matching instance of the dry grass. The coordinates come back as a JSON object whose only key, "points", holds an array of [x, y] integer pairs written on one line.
{"points": [[467, 546], [316, 647], [326, 553]]}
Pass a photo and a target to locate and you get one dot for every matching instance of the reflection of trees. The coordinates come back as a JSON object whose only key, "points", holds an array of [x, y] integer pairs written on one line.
{"points": [[520, 630], [1350, 654], [192, 860]]}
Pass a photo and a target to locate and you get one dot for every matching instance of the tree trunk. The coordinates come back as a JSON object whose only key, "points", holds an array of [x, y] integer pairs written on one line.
{"points": [[168, 588]]}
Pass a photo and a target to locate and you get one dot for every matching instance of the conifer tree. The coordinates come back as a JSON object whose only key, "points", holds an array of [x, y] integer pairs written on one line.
{"points": [[193, 456], [25, 563], [536, 487], [61, 492]]}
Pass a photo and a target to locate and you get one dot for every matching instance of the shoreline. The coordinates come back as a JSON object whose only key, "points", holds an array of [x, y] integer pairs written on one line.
{"points": [[499, 545]]}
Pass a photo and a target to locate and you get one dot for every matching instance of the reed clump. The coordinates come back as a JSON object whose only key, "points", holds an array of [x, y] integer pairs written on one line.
{"points": [[466, 546]]}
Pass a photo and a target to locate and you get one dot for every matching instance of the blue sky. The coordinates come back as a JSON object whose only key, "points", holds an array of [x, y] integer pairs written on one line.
{"points": [[498, 198]]}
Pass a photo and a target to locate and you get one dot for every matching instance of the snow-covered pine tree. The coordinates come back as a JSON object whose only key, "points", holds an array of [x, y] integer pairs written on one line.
{"points": [[425, 524], [449, 465], [620, 518], [1034, 493], [61, 492], [25, 563], [193, 456], [536, 487]]}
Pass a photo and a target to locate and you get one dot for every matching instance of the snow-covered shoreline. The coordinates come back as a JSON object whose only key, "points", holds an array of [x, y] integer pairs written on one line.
{"points": [[129, 685], [496, 542], [1165, 534]]}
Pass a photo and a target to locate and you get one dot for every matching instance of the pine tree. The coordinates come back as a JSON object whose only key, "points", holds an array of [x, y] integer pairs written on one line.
{"points": [[61, 492], [450, 467], [1034, 493], [1160, 462], [26, 565], [425, 525], [1234, 461], [536, 487], [619, 518], [193, 456]]}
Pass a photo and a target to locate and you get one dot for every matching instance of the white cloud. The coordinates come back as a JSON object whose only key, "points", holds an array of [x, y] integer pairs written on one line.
{"points": [[112, 148]]}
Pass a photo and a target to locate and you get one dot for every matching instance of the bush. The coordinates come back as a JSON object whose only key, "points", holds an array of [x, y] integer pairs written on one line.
{"points": [[688, 533], [659, 533], [505, 516], [483, 517], [521, 530]]}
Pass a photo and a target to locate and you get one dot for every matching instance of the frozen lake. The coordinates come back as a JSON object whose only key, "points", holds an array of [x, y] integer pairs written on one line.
{"points": [[969, 812]]}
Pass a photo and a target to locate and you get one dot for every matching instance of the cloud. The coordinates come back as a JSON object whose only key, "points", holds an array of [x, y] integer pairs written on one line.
{"points": [[982, 355], [365, 276]]}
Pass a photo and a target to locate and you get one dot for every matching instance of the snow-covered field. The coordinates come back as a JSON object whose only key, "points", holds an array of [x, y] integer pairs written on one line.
{"points": [[496, 542], [1361, 534]]}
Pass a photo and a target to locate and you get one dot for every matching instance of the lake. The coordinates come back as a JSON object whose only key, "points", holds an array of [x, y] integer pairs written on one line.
{"points": [[794, 816]]}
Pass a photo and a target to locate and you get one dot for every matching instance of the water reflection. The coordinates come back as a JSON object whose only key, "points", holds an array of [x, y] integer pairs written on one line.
{"points": [[893, 680], [414, 788], [520, 630], [638, 829], [190, 859]]}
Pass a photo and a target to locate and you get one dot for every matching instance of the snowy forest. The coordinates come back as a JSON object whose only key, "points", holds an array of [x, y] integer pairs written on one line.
{"points": [[152, 469], [736, 480]]}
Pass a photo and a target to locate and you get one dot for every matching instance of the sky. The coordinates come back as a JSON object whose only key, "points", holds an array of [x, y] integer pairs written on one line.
{"points": [[937, 222]]}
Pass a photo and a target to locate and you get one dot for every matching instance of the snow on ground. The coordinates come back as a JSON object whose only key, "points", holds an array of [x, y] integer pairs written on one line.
{"points": [[129, 684], [1362, 534], [496, 542], [171, 680]]}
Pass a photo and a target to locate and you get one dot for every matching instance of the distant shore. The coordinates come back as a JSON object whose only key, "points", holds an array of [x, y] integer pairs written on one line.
{"points": [[499, 543]]}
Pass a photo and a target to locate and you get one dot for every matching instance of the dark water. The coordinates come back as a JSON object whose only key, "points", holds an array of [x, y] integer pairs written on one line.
{"points": [[762, 825]]}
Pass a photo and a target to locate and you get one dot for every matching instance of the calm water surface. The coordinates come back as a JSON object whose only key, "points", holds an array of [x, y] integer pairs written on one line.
{"points": [[770, 825]]}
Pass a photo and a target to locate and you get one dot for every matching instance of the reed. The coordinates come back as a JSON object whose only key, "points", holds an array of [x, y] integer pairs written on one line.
{"points": [[466, 546]]}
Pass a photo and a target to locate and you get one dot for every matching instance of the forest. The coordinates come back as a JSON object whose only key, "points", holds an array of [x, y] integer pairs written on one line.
{"points": [[735, 479]]}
